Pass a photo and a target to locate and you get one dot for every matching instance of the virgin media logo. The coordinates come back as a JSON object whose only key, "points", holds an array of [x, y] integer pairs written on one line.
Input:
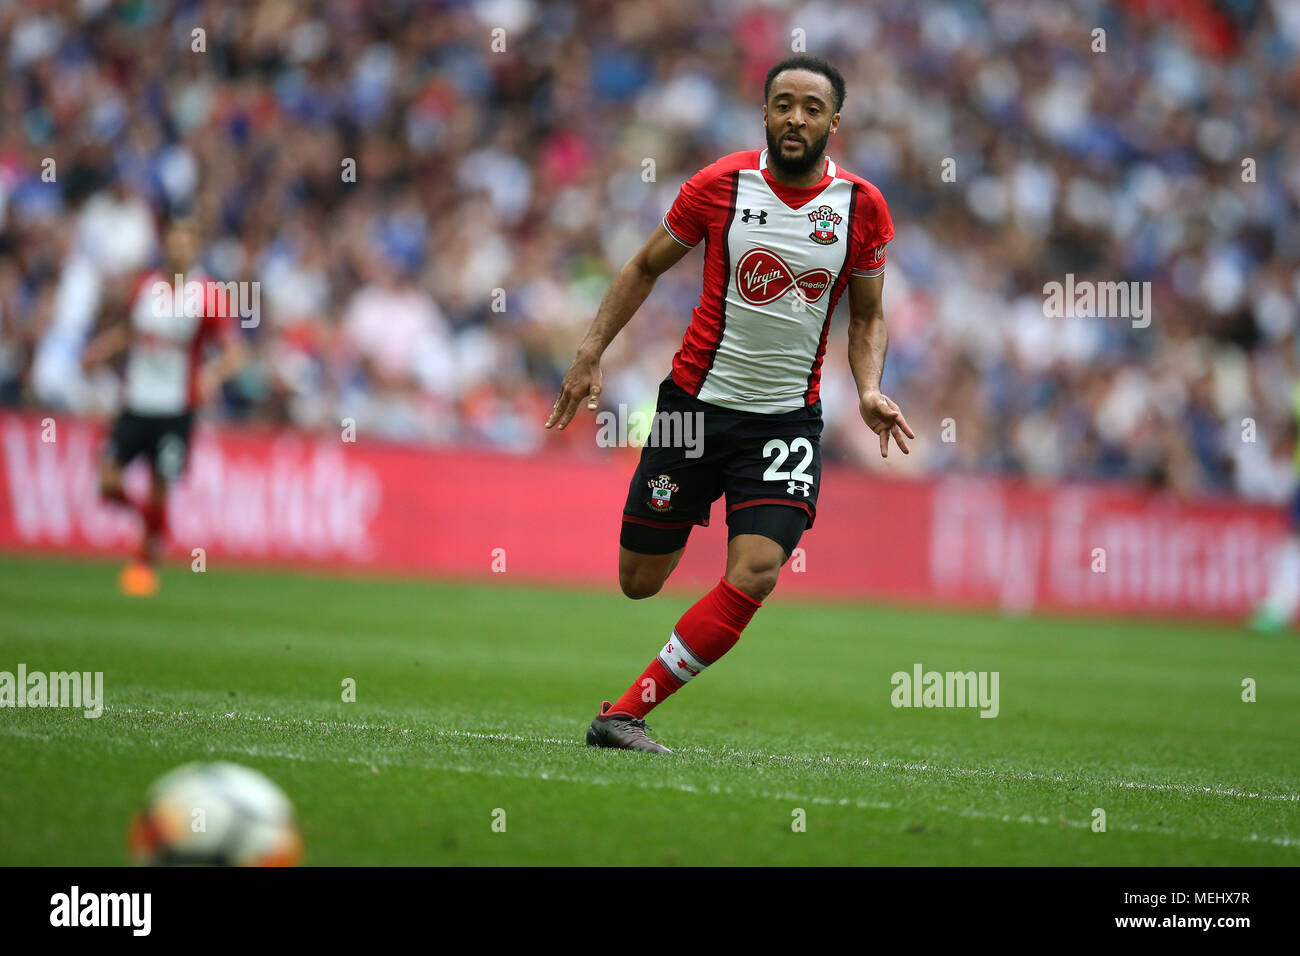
{"points": [[762, 277]]}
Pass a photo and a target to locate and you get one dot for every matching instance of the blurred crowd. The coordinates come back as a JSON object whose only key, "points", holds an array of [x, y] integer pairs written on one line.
{"points": [[510, 155]]}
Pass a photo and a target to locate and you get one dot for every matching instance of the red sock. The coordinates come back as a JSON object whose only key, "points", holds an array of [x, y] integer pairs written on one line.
{"points": [[707, 631], [155, 526]]}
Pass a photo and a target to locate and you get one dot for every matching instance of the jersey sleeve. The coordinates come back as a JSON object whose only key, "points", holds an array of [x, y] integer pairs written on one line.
{"points": [[879, 230], [687, 221]]}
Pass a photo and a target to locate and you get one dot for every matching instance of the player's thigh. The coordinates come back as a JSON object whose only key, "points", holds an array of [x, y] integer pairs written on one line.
{"points": [[642, 575], [764, 535], [170, 448], [675, 482], [761, 540], [110, 475], [648, 552], [677, 479], [666, 499]]}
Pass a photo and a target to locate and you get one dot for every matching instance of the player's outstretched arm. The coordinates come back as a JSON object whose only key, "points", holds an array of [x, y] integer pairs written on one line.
{"points": [[106, 345], [868, 343], [628, 290], [113, 334]]}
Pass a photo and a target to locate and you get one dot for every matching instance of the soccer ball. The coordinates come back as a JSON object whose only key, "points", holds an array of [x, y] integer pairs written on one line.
{"points": [[215, 814]]}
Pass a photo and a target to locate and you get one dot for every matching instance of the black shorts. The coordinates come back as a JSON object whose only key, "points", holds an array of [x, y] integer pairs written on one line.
{"points": [[164, 439], [693, 457]]}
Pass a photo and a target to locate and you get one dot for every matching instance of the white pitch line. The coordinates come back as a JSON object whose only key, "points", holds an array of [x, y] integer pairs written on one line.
{"points": [[799, 758], [641, 784], [1126, 784], [917, 768], [1187, 789]]}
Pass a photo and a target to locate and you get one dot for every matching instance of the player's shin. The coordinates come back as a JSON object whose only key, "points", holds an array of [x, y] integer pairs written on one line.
{"points": [[155, 527], [709, 629]]}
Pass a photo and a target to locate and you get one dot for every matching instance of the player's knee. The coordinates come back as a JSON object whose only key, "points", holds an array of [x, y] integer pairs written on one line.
{"points": [[758, 580], [110, 483], [638, 585]]}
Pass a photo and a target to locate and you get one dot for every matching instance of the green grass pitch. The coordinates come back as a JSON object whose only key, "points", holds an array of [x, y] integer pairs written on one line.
{"points": [[474, 698]]}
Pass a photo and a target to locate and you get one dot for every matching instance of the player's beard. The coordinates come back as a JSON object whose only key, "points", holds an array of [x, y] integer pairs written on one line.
{"points": [[798, 166]]}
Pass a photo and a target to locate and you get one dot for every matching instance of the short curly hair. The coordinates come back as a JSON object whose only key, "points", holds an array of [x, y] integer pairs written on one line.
{"points": [[814, 64]]}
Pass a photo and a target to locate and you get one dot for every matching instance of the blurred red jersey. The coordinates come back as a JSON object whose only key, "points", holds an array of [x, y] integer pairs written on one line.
{"points": [[172, 319]]}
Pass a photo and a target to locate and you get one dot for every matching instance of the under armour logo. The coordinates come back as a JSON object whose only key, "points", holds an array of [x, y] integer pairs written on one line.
{"points": [[761, 216], [802, 486]]}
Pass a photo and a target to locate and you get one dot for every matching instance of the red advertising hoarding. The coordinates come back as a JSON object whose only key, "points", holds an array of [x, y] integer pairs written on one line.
{"points": [[305, 500]]}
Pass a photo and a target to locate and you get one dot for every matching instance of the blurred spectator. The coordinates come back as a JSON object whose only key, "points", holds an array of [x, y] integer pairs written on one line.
{"points": [[433, 222]]}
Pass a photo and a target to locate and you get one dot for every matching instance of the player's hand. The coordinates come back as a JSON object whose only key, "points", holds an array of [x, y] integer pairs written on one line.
{"points": [[883, 417], [583, 381]]}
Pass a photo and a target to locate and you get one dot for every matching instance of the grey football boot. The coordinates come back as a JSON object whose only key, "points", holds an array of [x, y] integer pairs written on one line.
{"points": [[622, 732]]}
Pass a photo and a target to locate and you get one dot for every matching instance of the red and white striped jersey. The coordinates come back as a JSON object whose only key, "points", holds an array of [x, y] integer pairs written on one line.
{"points": [[776, 260], [168, 334]]}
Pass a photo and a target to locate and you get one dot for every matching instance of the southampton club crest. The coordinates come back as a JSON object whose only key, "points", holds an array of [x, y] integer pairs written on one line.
{"points": [[661, 493], [824, 220]]}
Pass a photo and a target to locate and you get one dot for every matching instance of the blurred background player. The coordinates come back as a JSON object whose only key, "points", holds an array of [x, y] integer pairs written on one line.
{"points": [[173, 314], [1278, 609]]}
